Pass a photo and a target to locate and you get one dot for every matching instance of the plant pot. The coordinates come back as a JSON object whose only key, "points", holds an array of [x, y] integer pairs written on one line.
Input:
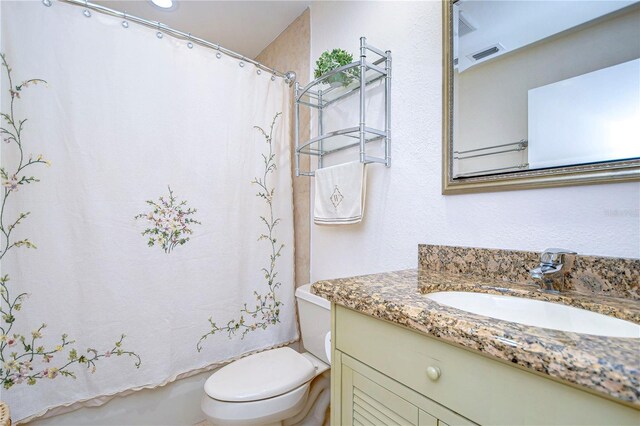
{"points": [[339, 79]]}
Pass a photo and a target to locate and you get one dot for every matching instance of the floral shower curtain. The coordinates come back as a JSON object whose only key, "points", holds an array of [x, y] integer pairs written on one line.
{"points": [[147, 213]]}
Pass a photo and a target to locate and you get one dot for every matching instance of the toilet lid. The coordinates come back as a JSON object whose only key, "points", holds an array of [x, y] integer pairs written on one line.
{"points": [[260, 376]]}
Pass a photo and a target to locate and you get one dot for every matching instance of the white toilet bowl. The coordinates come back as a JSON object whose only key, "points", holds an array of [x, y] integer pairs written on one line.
{"points": [[276, 385]]}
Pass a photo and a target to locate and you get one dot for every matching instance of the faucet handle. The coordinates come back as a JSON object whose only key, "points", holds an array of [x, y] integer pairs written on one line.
{"points": [[554, 256]]}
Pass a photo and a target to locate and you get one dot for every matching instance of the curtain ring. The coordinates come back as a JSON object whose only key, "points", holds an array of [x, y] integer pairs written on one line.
{"points": [[159, 33], [125, 24], [190, 44], [86, 12]]}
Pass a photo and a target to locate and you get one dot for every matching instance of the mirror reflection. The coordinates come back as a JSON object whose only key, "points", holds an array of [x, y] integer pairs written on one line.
{"points": [[544, 84]]}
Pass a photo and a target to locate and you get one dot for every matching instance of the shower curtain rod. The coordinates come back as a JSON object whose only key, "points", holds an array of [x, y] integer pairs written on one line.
{"points": [[289, 76]]}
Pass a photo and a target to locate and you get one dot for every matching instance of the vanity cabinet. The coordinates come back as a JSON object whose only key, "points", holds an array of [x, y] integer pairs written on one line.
{"points": [[386, 374]]}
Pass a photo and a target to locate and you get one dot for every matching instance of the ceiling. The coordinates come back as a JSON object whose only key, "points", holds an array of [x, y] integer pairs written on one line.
{"points": [[246, 27], [518, 23]]}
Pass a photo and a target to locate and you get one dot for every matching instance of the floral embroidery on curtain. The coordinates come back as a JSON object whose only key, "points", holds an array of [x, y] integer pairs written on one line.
{"points": [[119, 250], [170, 221], [24, 359], [266, 310]]}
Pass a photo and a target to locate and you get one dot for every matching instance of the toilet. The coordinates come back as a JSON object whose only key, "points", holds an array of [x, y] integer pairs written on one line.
{"points": [[278, 386]]}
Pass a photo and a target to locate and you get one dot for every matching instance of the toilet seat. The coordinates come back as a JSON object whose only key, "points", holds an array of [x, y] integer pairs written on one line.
{"points": [[260, 376], [261, 388], [271, 410]]}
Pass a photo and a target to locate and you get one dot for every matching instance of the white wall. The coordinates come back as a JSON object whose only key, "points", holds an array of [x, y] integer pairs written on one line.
{"points": [[404, 203]]}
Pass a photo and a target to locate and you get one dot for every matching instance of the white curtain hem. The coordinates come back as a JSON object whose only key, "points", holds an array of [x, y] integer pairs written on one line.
{"points": [[100, 400]]}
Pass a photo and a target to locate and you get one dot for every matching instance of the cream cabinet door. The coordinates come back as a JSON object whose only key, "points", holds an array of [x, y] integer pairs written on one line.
{"points": [[426, 419], [369, 398]]}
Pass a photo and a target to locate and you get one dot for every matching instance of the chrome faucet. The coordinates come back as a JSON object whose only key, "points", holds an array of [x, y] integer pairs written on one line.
{"points": [[550, 270]]}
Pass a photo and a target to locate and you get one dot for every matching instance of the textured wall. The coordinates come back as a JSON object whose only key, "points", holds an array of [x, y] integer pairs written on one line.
{"points": [[404, 203], [290, 52]]}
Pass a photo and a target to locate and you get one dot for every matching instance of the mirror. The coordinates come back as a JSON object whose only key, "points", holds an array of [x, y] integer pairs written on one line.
{"points": [[540, 93]]}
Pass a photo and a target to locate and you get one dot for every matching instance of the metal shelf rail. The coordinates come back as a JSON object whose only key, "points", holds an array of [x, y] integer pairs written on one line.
{"points": [[320, 94]]}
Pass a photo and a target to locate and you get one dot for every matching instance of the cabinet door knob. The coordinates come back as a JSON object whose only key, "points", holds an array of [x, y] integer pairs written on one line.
{"points": [[433, 373]]}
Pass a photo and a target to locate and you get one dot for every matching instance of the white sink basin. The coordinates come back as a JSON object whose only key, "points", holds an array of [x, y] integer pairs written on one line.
{"points": [[537, 313]]}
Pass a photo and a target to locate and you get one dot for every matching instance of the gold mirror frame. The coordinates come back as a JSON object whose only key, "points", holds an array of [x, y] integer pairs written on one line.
{"points": [[611, 172]]}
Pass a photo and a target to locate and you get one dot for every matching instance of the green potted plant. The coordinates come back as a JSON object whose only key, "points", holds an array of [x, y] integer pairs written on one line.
{"points": [[332, 59]]}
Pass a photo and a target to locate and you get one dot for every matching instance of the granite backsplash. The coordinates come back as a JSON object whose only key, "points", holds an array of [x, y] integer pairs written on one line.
{"points": [[606, 276]]}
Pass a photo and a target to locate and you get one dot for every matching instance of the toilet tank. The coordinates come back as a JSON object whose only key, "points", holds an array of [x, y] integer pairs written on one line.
{"points": [[315, 321]]}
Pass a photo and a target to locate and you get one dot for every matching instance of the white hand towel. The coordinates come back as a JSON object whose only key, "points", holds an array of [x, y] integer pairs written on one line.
{"points": [[340, 194]]}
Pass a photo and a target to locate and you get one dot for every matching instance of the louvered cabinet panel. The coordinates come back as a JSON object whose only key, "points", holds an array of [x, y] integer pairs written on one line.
{"points": [[426, 419], [370, 404]]}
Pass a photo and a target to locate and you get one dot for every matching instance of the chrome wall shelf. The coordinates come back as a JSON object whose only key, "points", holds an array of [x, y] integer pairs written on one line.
{"points": [[320, 94]]}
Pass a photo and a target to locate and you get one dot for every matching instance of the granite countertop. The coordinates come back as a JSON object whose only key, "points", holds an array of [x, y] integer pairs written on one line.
{"points": [[610, 366]]}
